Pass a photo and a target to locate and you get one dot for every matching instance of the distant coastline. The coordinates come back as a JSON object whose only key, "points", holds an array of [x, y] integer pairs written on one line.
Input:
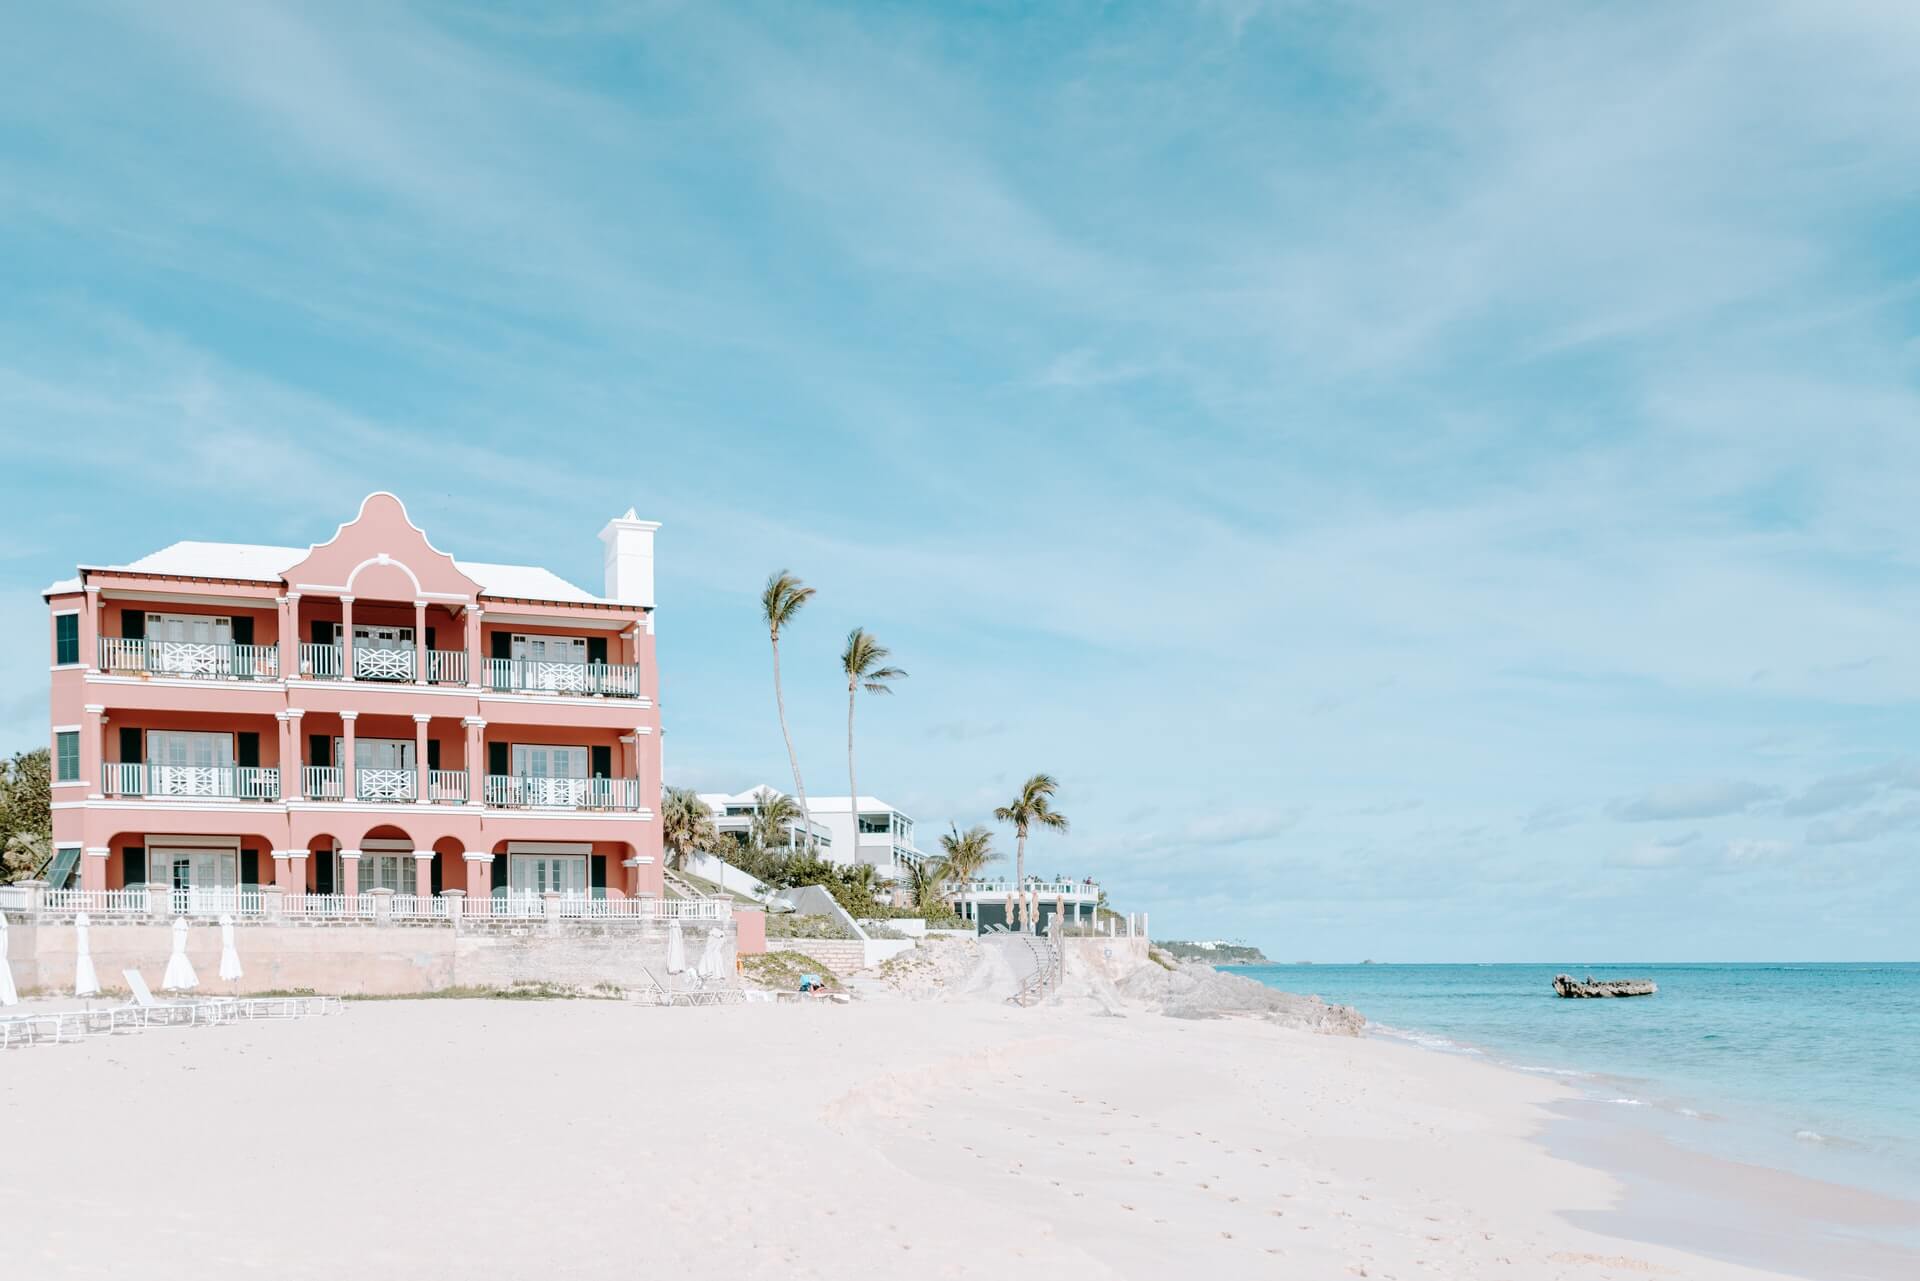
{"points": [[1215, 952]]}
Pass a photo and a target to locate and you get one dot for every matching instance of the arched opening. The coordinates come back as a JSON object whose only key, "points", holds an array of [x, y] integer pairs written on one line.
{"points": [[386, 860]]}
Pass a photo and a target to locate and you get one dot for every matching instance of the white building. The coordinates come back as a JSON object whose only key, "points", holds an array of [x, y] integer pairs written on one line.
{"points": [[884, 840], [733, 815]]}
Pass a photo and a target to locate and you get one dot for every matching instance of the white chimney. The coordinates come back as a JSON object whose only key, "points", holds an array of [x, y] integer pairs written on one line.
{"points": [[629, 543]]}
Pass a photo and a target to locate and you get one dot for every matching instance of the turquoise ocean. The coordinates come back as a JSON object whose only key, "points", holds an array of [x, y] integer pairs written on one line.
{"points": [[1810, 1068]]}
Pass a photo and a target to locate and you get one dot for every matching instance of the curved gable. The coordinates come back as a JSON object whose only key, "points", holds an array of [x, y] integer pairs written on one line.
{"points": [[381, 555]]}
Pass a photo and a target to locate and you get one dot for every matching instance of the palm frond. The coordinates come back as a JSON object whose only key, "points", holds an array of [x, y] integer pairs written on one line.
{"points": [[783, 597]]}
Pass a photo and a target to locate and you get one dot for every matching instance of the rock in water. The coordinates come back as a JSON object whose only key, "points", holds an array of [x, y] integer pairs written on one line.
{"points": [[1567, 985]]}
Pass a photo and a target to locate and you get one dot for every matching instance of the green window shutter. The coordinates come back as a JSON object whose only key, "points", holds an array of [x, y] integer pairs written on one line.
{"points": [[597, 874], [430, 644], [243, 629], [322, 863], [502, 645], [66, 638], [246, 750], [597, 649], [133, 865], [499, 759], [433, 753], [60, 870], [320, 632], [133, 624], [249, 867], [602, 762], [319, 749], [66, 756], [499, 871], [133, 746], [438, 871]]}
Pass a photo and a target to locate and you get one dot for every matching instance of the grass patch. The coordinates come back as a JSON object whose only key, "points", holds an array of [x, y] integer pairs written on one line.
{"points": [[789, 926], [1161, 958], [781, 971], [286, 991], [514, 992]]}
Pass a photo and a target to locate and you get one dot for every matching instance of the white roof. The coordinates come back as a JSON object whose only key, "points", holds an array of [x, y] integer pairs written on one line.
{"points": [[815, 804], [266, 563]]}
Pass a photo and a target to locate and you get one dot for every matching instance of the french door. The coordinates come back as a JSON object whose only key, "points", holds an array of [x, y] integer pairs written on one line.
{"points": [[385, 767], [189, 763], [189, 644], [538, 873], [381, 653], [550, 775]]}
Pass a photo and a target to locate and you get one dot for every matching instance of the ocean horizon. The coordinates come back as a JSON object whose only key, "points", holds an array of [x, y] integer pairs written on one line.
{"points": [[1802, 1066]]}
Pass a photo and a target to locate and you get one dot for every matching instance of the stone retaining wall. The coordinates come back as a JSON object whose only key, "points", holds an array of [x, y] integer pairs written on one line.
{"points": [[384, 959]]}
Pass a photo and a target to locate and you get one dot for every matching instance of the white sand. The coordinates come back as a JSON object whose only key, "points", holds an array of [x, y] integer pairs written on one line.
{"points": [[596, 1139]]}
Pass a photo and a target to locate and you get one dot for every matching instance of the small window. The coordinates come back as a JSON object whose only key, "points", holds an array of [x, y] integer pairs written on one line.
{"points": [[66, 756], [66, 638]]}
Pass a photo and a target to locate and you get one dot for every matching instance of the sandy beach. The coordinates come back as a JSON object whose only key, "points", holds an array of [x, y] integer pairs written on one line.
{"points": [[599, 1139]]}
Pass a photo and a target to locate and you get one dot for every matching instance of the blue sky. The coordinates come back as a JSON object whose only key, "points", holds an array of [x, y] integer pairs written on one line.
{"points": [[1435, 482]]}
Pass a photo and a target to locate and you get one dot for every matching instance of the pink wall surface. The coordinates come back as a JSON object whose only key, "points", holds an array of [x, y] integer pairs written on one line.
{"points": [[750, 926]]}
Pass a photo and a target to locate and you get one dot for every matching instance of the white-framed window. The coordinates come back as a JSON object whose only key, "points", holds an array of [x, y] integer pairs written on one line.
{"points": [[190, 629], [378, 636], [538, 873], [66, 639], [387, 872], [66, 756], [376, 753], [542, 760], [550, 649]]}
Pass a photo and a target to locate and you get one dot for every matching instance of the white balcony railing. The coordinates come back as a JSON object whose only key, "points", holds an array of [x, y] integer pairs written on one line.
{"points": [[323, 783], [236, 782], [447, 786], [218, 900], [613, 680], [413, 907], [505, 905], [385, 784], [370, 664], [446, 667], [129, 902], [124, 657], [1048, 890], [349, 907], [321, 662], [518, 792]]}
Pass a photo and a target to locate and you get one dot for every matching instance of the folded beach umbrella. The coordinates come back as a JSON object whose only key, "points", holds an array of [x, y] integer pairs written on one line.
{"points": [[229, 958], [676, 947], [710, 954], [179, 976], [9, 995], [85, 981]]}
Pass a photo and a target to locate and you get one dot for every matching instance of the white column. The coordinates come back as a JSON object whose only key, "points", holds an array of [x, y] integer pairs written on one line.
{"points": [[349, 777], [420, 642], [476, 759], [346, 639], [420, 788], [294, 757], [90, 629]]}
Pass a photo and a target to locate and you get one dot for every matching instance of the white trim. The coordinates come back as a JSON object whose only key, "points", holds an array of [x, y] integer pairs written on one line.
{"points": [[388, 845], [473, 856], [66, 667], [421, 718], [565, 816], [426, 854], [314, 684], [64, 613], [70, 782], [191, 842], [97, 851], [184, 805], [67, 729], [182, 598]]}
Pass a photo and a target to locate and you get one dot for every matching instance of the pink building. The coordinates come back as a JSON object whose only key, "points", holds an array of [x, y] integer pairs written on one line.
{"points": [[366, 713]]}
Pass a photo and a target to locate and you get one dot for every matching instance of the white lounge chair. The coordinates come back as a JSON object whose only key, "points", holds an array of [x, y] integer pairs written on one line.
{"points": [[172, 1012]]}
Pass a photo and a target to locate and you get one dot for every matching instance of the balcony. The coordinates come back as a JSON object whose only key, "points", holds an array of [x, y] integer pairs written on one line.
{"points": [[513, 792], [190, 782], [383, 786], [188, 660], [526, 676], [326, 662]]}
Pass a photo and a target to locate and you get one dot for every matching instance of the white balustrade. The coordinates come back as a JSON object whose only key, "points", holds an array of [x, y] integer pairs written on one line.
{"points": [[414, 907], [248, 782], [218, 900], [321, 662], [128, 902], [446, 666], [614, 680], [384, 784], [188, 659], [370, 664], [323, 782], [447, 786], [512, 791], [329, 906]]}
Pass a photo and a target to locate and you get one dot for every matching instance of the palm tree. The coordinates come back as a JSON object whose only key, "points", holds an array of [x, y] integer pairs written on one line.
{"points": [[780, 603], [775, 814], [864, 664], [1032, 808], [964, 855], [686, 825]]}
